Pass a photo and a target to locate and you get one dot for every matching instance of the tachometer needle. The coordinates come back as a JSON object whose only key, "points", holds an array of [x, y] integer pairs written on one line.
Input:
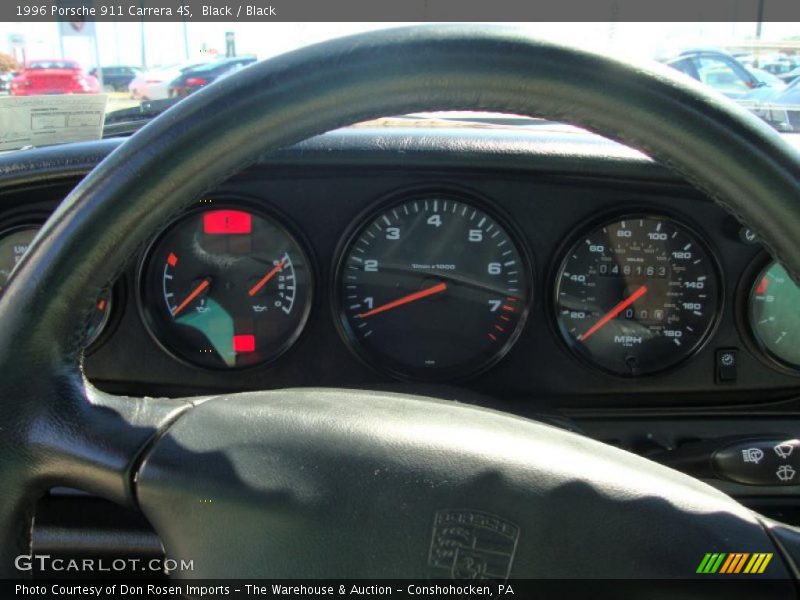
{"points": [[436, 289], [613, 313], [192, 295], [263, 281]]}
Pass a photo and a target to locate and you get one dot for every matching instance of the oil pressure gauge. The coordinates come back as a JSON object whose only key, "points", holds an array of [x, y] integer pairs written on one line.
{"points": [[226, 288]]}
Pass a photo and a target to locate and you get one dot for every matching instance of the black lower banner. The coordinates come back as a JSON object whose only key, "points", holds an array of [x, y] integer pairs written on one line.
{"points": [[527, 589]]}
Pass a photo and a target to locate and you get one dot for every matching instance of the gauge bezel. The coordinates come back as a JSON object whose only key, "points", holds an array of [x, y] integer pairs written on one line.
{"points": [[592, 224], [366, 216], [25, 221], [36, 220], [117, 292], [233, 201], [747, 284]]}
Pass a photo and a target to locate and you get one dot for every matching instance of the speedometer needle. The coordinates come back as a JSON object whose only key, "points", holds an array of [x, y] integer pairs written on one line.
{"points": [[613, 313], [263, 281], [192, 295], [436, 289]]}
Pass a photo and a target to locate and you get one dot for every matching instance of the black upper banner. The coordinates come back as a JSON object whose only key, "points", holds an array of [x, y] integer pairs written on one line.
{"points": [[79, 11]]}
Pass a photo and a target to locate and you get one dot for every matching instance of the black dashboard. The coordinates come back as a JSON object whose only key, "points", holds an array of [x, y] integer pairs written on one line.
{"points": [[549, 190], [546, 192]]}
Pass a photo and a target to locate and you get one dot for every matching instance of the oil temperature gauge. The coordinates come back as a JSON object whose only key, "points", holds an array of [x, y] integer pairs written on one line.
{"points": [[225, 288]]}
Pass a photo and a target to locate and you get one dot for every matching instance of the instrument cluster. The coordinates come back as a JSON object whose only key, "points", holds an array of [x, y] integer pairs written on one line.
{"points": [[439, 285]]}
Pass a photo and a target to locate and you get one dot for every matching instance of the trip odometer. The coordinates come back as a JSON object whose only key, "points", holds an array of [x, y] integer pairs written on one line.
{"points": [[637, 295], [432, 288]]}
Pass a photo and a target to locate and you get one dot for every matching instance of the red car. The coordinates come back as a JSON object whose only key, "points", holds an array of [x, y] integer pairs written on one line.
{"points": [[56, 76]]}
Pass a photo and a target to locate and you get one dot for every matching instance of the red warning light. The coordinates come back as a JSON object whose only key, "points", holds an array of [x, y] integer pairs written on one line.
{"points": [[172, 260], [762, 286], [244, 343], [227, 222]]}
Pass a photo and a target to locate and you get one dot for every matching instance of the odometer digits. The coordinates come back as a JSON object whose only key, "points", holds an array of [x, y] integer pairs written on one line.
{"points": [[432, 288], [637, 295]]}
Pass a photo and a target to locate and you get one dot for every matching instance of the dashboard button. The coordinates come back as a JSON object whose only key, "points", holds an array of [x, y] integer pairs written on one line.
{"points": [[748, 236], [727, 365], [760, 462]]}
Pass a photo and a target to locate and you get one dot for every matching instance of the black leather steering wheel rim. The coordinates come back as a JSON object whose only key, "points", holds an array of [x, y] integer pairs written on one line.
{"points": [[60, 431]]}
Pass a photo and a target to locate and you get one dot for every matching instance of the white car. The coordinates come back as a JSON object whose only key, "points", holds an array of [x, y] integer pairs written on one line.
{"points": [[154, 84]]}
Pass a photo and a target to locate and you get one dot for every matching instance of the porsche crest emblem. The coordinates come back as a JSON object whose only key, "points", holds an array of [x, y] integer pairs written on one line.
{"points": [[471, 544]]}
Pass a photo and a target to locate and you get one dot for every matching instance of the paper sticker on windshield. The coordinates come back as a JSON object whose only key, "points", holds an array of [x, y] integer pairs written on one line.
{"points": [[46, 120]]}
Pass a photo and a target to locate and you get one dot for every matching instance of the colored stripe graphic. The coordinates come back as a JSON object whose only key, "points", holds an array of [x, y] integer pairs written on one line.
{"points": [[727, 564], [710, 563], [734, 563], [768, 557]]}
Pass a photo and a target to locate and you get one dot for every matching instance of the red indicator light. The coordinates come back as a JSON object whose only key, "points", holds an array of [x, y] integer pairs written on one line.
{"points": [[227, 222], [762, 286], [101, 305], [244, 343], [172, 260]]}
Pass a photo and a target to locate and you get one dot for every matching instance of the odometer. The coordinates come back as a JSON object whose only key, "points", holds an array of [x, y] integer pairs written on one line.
{"points": [[433, 287], [637, 295]]}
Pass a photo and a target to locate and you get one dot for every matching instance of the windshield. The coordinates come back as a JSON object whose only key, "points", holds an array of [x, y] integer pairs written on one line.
{"points": [[141, 68]]}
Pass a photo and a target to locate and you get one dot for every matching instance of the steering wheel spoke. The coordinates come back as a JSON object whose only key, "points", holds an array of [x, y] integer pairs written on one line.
{"points": [[316, 483]]}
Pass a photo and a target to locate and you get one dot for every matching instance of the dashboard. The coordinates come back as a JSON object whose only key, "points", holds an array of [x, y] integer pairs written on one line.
{"points": [[542, 269]]}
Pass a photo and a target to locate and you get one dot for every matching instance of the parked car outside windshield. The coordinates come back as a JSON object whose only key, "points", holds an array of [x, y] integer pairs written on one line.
{"points": [[116, 78], [191, 80], [53, 76], [154, 83]]}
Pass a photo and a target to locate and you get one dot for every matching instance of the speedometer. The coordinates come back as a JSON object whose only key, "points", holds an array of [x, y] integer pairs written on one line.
{"points": [[433, 288], [637, 295]]}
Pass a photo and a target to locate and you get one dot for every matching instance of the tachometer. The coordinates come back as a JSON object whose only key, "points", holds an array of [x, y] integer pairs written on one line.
{"points": [[637, 295], [433, 288], [226, 288], [774, 310]]}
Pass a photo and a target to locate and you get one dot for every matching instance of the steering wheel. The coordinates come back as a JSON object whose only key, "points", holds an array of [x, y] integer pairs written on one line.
{"points": [[341, 483]]}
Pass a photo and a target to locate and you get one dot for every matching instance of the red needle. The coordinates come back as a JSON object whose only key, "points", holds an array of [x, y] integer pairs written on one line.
{"points": [[263, 281], [194, 294], [613, 313], [436, 289]]}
